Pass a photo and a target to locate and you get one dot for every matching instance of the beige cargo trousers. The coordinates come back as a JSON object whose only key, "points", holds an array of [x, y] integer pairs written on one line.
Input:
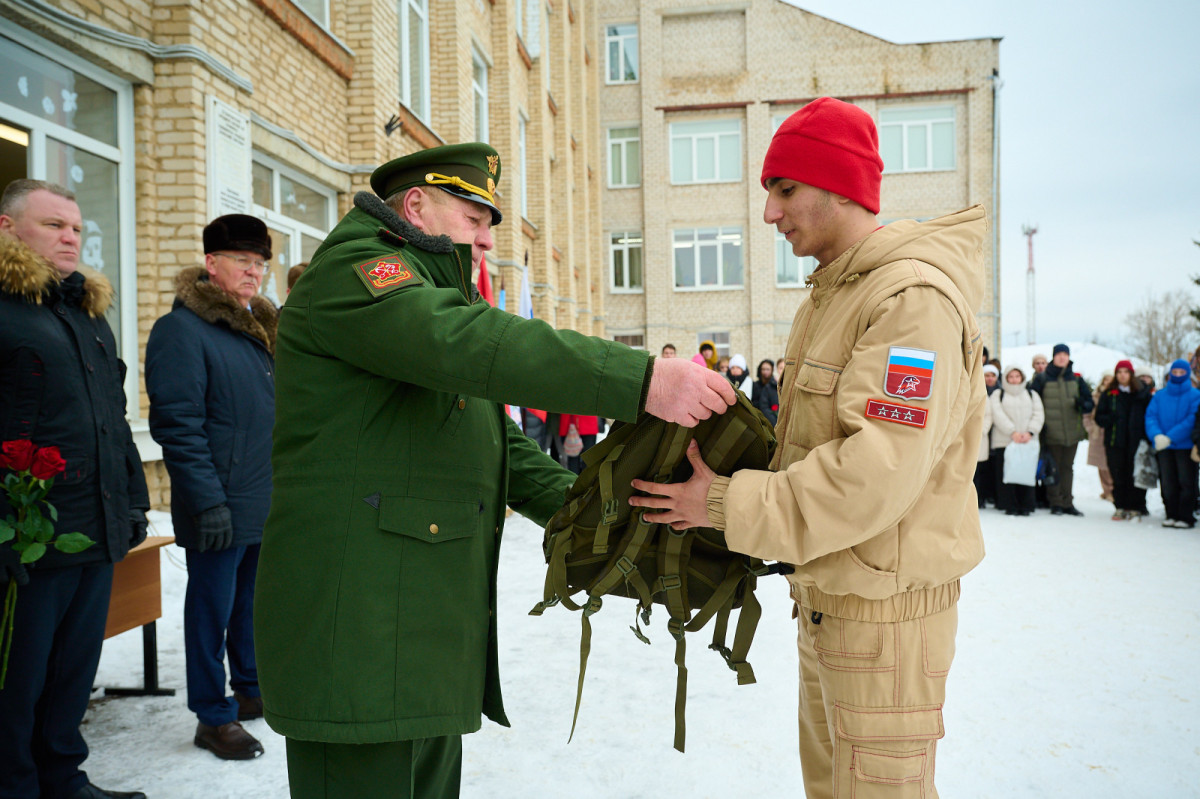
{"points": [[871, 696]]}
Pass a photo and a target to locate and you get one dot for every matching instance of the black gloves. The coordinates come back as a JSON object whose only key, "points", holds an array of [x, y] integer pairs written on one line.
{"points": [[11, 567], [215, 529], [137, 527]]}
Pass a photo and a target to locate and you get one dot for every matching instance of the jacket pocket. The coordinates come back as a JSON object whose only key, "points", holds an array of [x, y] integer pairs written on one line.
{"points": [[892, 746], [433, 521], [813, 417], [457, 408]]}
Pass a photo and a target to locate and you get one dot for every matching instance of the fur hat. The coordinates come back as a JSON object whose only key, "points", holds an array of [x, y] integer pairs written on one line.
{"points": [[831, 145], [237, 232]]}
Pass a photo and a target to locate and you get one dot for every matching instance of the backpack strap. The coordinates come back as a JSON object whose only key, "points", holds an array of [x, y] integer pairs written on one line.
{"points": [[608, 502]]}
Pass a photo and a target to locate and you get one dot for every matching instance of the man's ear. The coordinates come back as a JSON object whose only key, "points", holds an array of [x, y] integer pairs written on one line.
{"points": [[6, 222], [210, 264], [414, 206]]}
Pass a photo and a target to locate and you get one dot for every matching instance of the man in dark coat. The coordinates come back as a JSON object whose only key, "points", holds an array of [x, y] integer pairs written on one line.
{"points": [[1066, 397], [210, 377], [393, 463], [60, 385]]}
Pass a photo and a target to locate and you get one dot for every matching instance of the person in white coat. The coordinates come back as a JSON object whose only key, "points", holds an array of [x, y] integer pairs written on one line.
{"points": [[1017, 417]]}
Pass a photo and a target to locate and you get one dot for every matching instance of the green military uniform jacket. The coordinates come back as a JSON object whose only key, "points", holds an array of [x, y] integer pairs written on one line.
{"points": [[393, 462]]}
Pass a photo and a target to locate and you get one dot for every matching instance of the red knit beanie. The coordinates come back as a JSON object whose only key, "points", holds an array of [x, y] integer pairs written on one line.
{"points": [[1124, 365], [831, 145]]}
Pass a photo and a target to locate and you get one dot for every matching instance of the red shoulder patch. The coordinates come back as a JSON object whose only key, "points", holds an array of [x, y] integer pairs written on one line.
{"points": [[894, 412], [381, 275]]}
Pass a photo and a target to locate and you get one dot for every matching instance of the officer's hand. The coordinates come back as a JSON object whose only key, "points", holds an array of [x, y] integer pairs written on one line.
{"points": [[684, 392], [215, 528], [1161, 442], [11, 567], [137, 527], [681, 505]]}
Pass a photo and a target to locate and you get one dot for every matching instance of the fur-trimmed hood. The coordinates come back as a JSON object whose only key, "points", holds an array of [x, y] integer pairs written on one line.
{"points": [[25, 274], [203, 298]]}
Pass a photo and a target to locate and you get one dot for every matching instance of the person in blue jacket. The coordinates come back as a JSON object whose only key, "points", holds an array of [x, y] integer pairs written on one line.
{"points": [[210, 375], [1169, 422]]}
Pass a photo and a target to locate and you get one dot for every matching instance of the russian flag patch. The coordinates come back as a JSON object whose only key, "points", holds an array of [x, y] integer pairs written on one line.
{"points": [[909, 373]]}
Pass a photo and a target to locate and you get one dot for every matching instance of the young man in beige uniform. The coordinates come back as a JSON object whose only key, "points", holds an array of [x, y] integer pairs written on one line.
{"points": [[870, 493]]}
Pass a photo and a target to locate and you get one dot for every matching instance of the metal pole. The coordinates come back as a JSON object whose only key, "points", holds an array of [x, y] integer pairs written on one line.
{"points": [[1030, 291]]}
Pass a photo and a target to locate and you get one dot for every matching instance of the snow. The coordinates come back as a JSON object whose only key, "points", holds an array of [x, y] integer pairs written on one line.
{"points": [[1090, 360], [1075, 676]]}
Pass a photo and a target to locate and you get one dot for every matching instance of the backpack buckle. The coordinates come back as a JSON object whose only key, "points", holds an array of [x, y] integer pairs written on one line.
{"points": [[675, 628], [608, 511], [669, 582], [592, 605], [625, 566]]}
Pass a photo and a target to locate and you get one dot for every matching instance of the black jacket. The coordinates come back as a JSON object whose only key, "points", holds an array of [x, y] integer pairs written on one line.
{"points": [[765, 397], [210, 375], [61, 385], [1122, 415]]}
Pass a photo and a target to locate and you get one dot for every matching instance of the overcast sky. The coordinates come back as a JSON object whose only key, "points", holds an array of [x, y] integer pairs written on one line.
{"points": [[1099, 147]]}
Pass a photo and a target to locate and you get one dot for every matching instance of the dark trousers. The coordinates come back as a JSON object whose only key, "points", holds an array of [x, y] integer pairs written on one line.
{"points": [[58, 630], [985, 481], [1177, 474], [1126, 496], [1017, 497], [218, 618], [427, 768], [1059, 494], [996, 464]]}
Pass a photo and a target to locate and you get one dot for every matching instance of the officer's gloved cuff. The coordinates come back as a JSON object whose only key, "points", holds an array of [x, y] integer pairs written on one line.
{"points": [[716, 502], [646, 385]]}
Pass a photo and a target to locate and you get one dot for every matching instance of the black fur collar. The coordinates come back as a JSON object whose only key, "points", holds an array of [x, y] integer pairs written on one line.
{"points": [[371, 204]]}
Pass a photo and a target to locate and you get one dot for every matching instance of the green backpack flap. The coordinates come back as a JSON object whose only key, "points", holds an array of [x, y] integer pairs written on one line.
{"points": [[598, 545]]}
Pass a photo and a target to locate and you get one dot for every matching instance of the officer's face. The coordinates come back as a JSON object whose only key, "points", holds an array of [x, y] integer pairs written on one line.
{"points": [[49, 225], [463, 221], [805, 216]]}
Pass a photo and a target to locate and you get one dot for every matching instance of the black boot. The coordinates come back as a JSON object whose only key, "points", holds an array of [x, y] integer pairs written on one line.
{"points": [[90, 791]]}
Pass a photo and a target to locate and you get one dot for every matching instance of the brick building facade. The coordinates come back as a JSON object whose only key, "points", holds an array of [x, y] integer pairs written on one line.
{"points": [[161, 114], [693, 91]]}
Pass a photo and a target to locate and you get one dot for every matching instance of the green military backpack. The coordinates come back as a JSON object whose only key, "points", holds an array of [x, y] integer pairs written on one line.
{"points": [[599, 545]]}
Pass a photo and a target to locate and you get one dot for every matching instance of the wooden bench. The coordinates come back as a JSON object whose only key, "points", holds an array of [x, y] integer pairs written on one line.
{"points": [[137, 602]]}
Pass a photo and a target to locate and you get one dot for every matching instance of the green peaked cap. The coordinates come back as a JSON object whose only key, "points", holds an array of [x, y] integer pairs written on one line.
{"points": [[470, 171]]}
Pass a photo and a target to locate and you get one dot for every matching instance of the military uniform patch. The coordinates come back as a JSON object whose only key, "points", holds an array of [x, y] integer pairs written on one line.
{"points": [[381, 275], [909, 373], [900, 414]]}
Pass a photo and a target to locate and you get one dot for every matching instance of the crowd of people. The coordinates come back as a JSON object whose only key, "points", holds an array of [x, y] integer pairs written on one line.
{"points": [[762, 387], [1139, 436]]}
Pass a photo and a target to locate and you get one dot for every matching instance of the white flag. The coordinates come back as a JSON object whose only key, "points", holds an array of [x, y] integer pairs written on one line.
{"points": [[525, 303]]}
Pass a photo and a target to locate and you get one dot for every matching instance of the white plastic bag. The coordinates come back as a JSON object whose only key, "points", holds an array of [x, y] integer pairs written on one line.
{"points": [[573, 443], [1021, 463], [1145, 466]]}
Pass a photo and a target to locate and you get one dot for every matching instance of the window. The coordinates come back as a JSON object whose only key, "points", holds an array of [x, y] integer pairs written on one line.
{"points": [[317, 9], [523, 156], [708, 258], [414, 56], [624, 157], [917, 139], [720, 339], [479, 89], [622, 45], [519, 17], [706, 152], [790, 270], [635, 340], [626, 249], [299, 212]]}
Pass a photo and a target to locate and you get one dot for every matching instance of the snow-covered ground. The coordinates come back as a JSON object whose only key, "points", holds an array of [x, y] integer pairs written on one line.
{"points": [[1076, 676]]}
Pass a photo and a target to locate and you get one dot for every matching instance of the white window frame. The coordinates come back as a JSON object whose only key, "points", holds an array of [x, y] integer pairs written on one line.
{"points": [[122, 155], [695, 245], [625, 247], [807, 264], [275, 218], [622, 144], [621, 40], [523, 166], [937, 113], [323, 19], [406, 8], [479, 93], [678, 132], [519, 17]]}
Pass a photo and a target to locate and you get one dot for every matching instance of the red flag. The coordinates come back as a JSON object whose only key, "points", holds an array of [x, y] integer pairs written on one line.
{"points": [[485, 282]]}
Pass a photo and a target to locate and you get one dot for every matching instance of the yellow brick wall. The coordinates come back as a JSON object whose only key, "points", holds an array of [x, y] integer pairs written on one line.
{"points": [[696, 53]]}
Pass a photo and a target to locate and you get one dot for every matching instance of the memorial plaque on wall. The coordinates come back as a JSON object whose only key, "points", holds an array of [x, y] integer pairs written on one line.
{"points": [[229, 164]]}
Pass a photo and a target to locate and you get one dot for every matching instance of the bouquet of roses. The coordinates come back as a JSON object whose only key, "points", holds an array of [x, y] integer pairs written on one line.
{"points": [[29, 525]]}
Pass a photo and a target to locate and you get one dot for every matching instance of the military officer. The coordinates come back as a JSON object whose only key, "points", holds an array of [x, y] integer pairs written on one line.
{"points": [[393, 462]]}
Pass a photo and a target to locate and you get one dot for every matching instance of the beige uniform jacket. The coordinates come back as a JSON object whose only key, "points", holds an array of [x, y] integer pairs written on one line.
{"points": [[870, 494]]}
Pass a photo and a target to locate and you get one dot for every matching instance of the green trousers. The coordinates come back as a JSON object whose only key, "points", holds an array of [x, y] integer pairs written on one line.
{"points": [[426, 768]]}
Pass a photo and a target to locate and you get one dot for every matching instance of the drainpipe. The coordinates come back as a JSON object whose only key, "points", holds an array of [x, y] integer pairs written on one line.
{"points": [[996, 84]]}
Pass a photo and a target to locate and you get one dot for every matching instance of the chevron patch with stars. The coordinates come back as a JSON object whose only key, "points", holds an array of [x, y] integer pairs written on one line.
{"points": [[381, 275], [900, 414]]}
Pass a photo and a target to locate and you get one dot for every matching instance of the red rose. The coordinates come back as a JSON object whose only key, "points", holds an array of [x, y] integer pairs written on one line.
{"points": [[18, 455], [47, 463]]}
